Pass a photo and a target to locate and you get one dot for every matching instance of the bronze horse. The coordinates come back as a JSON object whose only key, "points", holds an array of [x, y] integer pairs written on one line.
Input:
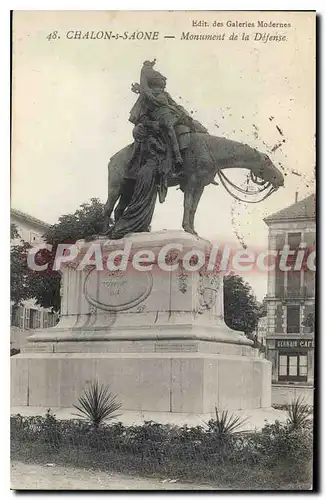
{"points": [[206, 157]]}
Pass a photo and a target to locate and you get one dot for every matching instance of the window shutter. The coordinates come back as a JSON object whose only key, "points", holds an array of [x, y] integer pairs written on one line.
{"points": [[21, 317], [309, 313], [279, 319], [45, 319], [309, 282], [280, 241], [279, 281], [27, 315], [310, 239], [38, 319]]}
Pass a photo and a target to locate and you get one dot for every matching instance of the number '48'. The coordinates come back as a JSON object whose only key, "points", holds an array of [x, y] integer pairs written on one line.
{"points": [[52, 36]]}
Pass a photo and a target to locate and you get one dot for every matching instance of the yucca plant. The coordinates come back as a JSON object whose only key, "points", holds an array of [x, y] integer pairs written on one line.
{"points": [[298, 413], [97, 404], [225, 425]]}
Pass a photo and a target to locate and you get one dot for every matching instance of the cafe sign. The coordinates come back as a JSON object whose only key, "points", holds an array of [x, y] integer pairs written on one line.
{"points": [[294, 343]]}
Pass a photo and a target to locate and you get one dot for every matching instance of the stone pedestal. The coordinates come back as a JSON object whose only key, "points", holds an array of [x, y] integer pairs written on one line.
{"points": [[156, 336]]}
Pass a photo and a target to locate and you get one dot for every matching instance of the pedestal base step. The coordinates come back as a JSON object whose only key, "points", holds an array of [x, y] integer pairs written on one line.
{"points": [[174, 382]]}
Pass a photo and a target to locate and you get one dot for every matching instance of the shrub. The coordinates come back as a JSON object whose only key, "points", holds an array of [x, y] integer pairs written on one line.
{"points": [[97, 404], [50, 429], [281, 443], [45, 430], [219, 452], [225, 425], [299, 414]]}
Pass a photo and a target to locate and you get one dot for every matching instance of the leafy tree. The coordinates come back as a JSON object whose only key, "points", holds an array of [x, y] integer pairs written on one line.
{"points": [[19, 272], [14, 234], [84, 223], [241, 309]]}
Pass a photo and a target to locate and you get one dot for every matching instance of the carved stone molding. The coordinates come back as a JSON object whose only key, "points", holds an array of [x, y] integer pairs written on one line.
{"points": [[183, 281], [208, 288]]}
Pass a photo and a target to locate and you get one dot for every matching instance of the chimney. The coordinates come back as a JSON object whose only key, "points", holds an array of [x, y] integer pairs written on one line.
{"points": [[296, 196]]}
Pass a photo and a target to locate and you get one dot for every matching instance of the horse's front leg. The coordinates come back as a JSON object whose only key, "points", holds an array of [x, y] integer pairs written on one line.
{"points": [[187, 205], [196, 197]]}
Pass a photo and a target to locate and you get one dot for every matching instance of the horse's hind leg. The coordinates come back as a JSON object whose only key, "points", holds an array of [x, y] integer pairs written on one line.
{"points": [[192, 196], [113, 195], [196, 197]]}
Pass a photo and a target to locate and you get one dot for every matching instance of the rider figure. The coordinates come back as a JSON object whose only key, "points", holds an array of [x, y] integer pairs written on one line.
{"points": [[155, 106], [156, 103]]}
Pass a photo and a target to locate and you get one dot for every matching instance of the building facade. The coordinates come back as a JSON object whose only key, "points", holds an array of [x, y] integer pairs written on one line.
{"points": [[261, 330], [28, 316], [290, 303]]}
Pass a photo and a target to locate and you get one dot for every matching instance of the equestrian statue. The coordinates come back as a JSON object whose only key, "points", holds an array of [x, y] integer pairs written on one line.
{"points": [[170, 148]]}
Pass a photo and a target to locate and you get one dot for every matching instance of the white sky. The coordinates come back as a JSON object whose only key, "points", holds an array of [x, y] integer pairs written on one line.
{"points": [[71, 103]]}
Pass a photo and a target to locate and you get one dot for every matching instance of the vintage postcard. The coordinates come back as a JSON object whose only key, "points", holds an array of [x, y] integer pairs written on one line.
{"points": [[163, 226]]}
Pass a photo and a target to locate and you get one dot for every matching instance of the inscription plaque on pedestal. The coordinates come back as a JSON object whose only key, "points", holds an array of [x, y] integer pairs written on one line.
{"points": [[117, 291]]}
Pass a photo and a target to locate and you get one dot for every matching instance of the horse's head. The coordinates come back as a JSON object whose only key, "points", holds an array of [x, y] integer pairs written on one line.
{"points": [[233, 154], [263, 173], [263, 170]]}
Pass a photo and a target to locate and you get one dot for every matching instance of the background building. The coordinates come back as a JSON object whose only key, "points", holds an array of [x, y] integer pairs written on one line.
{"points": [[28, 316], [290, 305], [261, 330], [29, 228]]}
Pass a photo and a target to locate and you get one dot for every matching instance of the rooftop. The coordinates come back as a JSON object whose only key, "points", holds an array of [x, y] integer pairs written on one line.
{"points": [[304, 209], [22, 215]]}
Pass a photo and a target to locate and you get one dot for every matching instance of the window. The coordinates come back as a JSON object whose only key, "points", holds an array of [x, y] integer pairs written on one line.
{"points": [[303, 365], [33, 237], [294, 282], [293, 367], [38, 319], [45, 319], [293, 319], [32, 319], [294, 240], [283, 362]]}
